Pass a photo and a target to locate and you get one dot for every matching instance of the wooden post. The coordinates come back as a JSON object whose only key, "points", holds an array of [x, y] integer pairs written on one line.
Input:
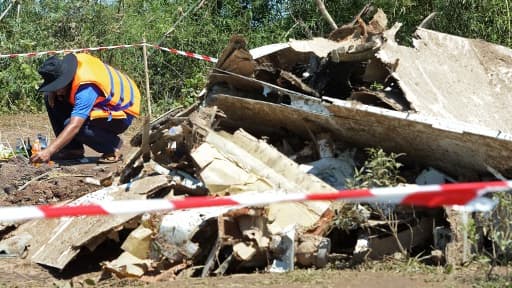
{"points": [[148, 93], [146, 149], [146, 154]]}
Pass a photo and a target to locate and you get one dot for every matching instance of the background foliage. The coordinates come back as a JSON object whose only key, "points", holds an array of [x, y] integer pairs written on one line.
{"points": [[203, 27]]}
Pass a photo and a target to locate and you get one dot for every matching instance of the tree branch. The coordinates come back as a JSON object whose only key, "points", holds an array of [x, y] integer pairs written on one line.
{"points": [[427, 20], [7, 10], [361, 13], [325, 13], [198, 4]]}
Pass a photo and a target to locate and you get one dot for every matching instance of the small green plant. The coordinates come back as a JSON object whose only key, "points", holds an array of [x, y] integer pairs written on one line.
{"points": [[6, 153], [379, 170], [376, 86], [347, 216], [494, 227]]}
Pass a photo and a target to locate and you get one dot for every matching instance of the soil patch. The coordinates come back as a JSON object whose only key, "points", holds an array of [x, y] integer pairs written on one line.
{"points": [[45, 184], [20, 274], [53, 184]]}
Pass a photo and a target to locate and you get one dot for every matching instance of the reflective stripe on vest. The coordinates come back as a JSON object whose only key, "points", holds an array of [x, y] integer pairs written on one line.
{"points": [[120, 94], [118, 106]]}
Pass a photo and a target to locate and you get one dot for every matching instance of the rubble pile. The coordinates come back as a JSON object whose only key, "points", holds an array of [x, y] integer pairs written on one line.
{"points": [[295, 118]]}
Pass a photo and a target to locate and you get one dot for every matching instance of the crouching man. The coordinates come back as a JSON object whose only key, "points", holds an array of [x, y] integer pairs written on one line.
{"points": [[88, 103]]}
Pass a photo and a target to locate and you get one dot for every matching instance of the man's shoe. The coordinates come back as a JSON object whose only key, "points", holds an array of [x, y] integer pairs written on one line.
{"points": [[109, 158], [67, 154]]}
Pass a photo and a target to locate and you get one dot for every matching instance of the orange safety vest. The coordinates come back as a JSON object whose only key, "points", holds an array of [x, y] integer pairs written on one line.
{"points": [[120, 94]]}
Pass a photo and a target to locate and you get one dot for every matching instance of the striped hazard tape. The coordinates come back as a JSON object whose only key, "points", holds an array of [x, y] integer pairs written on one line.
{"points": [[185, 53], [427, 195], [101, 48]]}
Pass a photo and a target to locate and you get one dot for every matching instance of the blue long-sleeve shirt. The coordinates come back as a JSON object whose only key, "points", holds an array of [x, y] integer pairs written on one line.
{"points": [[85, 98]]}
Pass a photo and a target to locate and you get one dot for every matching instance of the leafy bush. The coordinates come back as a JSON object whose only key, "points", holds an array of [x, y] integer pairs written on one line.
{"points": [[379, 170], [203, 27], [492, 231]]}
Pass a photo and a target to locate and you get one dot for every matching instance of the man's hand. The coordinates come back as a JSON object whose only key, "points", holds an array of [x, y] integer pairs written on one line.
{"points": [[41, 157], [62, 139]]}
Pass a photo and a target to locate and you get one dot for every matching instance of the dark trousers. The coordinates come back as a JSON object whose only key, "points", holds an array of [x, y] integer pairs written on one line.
{"points": [[99, 134]]}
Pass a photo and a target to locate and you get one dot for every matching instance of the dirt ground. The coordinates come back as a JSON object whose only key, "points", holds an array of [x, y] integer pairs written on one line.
{"points": [[24, 274], [59, 182], [64, 181]]}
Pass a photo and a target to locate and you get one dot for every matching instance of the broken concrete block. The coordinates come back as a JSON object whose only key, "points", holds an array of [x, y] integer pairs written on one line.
{"points": [[313, 250], [243, 251], [255, 228], [138, 242], [127, 266], [15, 246]]}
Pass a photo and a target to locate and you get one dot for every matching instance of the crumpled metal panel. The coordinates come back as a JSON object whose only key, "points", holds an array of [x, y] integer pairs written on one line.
{"points": [[447, 145], [458, 89], [454, 78]]}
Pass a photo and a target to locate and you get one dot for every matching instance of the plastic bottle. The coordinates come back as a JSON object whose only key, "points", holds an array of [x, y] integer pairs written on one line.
{"points": [[43, 140], [36, 148]]}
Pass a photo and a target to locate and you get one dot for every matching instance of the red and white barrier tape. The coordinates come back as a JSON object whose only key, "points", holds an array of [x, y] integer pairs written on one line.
{"points": [[185, 53], [428, 195], [65, 51]]}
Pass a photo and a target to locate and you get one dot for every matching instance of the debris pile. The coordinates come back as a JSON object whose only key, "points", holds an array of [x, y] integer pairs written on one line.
{"points": [[290, 117]]}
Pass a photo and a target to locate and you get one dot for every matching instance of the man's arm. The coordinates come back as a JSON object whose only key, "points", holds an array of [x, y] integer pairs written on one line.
{"points": [[64, 138], [84, 101]]}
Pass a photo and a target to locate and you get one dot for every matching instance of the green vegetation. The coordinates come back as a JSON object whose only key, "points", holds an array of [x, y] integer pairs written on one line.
{"points": [[379, 170], [376, 86], [203, 27], [491, 235]]}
